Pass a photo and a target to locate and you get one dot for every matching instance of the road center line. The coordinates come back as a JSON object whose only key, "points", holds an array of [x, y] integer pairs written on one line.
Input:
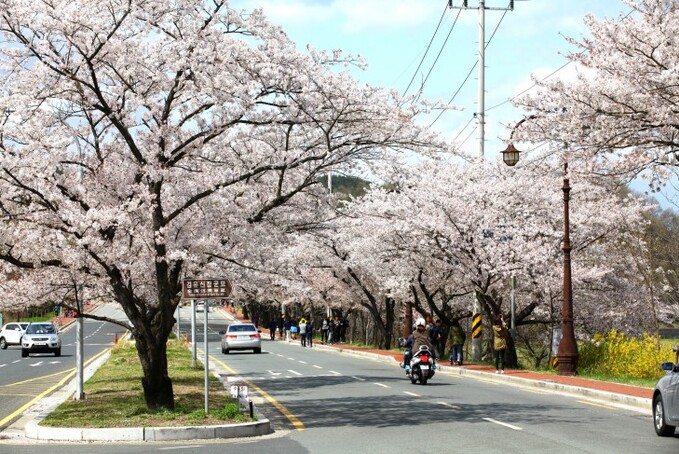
{"points": [[303, 362], [294, 372], [382, 385], [596, 405], [333, 372], [17, 361], [502, 423], [3, 365], [291, 359], [317, 367], [411, 394]]}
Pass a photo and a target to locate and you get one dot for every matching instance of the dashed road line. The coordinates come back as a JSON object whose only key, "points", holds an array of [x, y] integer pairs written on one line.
{"points": [[357, 378], [294, 372], [2, 365], [446, 404], [381, 384], [303, 362], [411, 394], [502, 424], [334, 373], [317, 367], [291, 359], [17, 361]]}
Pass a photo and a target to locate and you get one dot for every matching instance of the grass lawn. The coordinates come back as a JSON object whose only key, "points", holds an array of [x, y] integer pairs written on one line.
{"points": [[114, 396]]}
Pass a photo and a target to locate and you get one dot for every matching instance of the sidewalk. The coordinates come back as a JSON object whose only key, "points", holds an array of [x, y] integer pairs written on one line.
{"points": [[635, 396]]}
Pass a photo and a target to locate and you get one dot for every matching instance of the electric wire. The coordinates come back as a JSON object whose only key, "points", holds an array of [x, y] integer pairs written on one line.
{"points": [[445, 10], [440, 51], [470, 71]]}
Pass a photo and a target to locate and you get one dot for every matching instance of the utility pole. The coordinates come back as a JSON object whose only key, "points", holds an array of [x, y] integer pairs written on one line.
{"points": [[480, 115]]}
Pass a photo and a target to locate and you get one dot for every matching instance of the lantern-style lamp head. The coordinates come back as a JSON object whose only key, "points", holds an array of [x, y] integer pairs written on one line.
{"points": [[510, 155]]}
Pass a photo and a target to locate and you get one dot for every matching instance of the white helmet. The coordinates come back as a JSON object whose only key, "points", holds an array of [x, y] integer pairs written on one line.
{"points": [[420, 322]]}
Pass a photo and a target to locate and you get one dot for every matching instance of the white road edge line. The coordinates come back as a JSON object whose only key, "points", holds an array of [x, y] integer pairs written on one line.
{"points": [[172, 448], [411, 394], [502, 423], [294, 372], [381, 384]]}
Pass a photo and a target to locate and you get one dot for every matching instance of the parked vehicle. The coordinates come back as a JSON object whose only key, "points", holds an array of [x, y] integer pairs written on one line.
{"points": [[41, 337], [422, 366], [241, 336], [666, 399], [11, 333]]}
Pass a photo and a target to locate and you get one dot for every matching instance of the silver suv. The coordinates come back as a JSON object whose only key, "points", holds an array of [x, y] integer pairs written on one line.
{"points": [[41, 337], [11, 333]]}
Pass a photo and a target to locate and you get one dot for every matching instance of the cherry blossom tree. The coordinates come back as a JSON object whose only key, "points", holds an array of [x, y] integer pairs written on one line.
{"points": [[143, 142], [619, 116]]}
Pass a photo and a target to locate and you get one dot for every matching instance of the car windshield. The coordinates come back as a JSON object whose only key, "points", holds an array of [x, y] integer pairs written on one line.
{"points": [[40, 328], [241, 328], [24, 326]]}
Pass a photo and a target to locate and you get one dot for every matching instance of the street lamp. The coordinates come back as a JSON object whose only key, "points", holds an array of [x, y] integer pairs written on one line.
{"points": [[567, 355]]}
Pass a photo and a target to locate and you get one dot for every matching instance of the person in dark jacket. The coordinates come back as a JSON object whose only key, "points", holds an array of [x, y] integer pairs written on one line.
{"points": [[457, 338], [499, 343], [415, 341], [272, 328]]}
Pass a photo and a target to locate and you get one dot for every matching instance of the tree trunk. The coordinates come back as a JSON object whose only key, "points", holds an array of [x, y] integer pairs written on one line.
{"points": [[389, 321], [156, 382]]}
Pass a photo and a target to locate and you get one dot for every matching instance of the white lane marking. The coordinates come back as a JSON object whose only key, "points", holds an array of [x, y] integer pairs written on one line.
{"points": [[278, 354], [57, 362], [17, 361], [455, 407], [36, 364], [303, 362], [291, 359], [3, 365], [274, 373], [334, 373], [502, 423], [382, 385], [294, 372], [411, 394], [317, 367], [357, 378]]}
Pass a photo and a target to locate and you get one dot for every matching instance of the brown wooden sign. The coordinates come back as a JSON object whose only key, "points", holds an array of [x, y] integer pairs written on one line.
{"points": [[193, 289]]}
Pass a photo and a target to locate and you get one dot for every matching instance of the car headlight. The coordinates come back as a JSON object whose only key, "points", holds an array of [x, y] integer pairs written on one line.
{"points": [[54, 339]]}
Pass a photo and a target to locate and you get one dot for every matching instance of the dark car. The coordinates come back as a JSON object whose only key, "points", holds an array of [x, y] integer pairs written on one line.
{"points": [[666, 400]]}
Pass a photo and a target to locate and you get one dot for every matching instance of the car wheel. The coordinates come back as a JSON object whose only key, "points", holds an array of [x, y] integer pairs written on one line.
{"points": [[661, 428], [225, 351], [3, 343], [57, 352], [24, 353], [258, 350]]}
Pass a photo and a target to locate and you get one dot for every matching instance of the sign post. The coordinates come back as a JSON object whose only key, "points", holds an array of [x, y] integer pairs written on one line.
{"points": [[209, 289]]}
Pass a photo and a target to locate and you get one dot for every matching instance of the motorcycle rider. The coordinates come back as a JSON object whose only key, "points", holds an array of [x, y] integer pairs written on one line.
{"points": [[418, 338]]}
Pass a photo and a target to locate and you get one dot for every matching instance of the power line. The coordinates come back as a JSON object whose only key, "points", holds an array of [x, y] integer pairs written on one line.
{"points": [[445, 10], [470, 71]]}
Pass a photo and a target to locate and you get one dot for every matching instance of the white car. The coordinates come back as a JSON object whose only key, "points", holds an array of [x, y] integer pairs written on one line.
{"points": [[41, 337], [11, 333]]}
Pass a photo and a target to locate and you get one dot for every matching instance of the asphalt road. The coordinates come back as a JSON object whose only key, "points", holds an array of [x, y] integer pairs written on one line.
{"points": [[24, 379], [326, 402]]}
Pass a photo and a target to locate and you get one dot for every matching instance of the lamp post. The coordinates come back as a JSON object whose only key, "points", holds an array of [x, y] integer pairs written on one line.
{"points": [[567, 355]]}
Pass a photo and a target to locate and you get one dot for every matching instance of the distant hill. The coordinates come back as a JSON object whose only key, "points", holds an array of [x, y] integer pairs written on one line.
{"points": [[345, 186]]}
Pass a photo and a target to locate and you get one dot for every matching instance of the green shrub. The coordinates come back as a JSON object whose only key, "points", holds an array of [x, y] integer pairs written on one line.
{"points": [[617, 355]]}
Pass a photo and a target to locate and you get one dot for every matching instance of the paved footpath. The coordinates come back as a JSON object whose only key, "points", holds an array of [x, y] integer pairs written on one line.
{"points": [[637, 396]]}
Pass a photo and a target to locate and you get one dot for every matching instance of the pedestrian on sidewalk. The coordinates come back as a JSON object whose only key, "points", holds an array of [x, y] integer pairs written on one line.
{"points": [[324, 330], [302, 331], [272, 328], [331, 330], [499, 343], [457, 338], [310, 333], [287, 325], [281, 327]]}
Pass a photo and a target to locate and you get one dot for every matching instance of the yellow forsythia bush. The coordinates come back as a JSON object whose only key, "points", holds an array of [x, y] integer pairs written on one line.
{"points": [[617, 355]]}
